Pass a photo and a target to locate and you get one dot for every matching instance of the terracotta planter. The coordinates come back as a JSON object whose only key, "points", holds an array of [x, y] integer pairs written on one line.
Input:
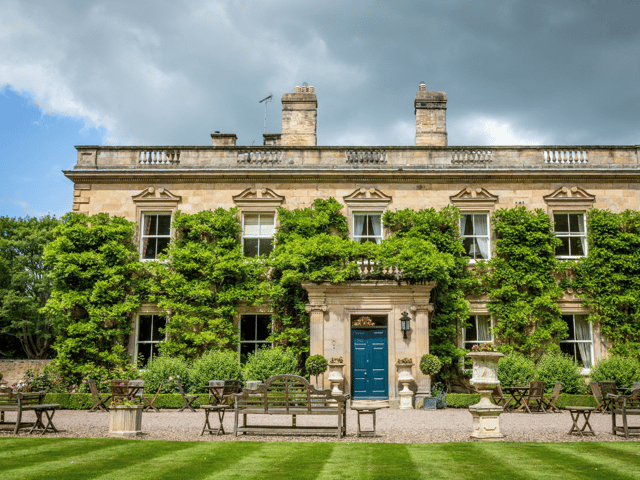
{"points": [[486, 415]]}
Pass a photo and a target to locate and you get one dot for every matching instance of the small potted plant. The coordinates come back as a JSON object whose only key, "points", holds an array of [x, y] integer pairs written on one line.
{"points": [[430, 365], [336, 376], [316, 365]]}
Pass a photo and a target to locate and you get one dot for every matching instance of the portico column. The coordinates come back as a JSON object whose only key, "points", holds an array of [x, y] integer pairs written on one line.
{"points": [[316, 331], [421, 313]]}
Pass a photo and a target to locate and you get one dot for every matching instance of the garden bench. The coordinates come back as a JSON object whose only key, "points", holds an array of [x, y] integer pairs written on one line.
{"points": [[625, 405], [289, 395], [22, 402]]}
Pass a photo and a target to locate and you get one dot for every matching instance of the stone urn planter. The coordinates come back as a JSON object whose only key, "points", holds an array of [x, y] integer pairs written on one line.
{"points": [[336, 378], [405, 377], [125, 420], [486, 415]]}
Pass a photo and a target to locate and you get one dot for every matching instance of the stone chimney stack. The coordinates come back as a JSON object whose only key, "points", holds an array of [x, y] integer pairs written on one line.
{"points": [[299, 114], [223, 139], [431, 117]]}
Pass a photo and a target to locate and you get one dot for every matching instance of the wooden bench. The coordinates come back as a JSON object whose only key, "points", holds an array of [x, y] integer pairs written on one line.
{"points": [[289, 395], [625, 405], [22, 402]]}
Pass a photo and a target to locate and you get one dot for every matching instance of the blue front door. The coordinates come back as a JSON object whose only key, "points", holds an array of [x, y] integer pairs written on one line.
{"points": [[369, 375]]}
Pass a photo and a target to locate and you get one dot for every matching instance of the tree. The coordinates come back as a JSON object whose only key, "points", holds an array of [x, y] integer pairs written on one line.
{"points": [[26, 282]]}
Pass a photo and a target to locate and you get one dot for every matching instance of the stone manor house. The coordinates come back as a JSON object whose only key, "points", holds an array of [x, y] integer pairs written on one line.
{"points": [[148, 184]]}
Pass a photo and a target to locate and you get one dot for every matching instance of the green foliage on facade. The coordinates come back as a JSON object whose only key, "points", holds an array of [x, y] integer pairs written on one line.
{"points": [[95, 267], [610, 277], [521, 284], [201, 280], [267, 362], [25, 285], [451, 310]]}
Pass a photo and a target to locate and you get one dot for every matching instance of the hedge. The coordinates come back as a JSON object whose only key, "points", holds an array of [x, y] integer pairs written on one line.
{"points": [[83, 401]]}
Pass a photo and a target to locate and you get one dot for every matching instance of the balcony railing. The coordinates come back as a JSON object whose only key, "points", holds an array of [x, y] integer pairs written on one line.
{"points": [[466, 158]]}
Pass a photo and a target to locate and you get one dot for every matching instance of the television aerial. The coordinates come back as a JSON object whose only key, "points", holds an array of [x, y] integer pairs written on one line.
{"points": [[266, 100]]}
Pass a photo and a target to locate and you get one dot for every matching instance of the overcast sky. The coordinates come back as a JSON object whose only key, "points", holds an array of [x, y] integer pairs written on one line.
{"points": [[172, 72]]}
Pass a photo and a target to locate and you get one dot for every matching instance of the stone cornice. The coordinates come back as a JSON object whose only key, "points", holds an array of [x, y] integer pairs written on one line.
{"points": [[352, 175]]}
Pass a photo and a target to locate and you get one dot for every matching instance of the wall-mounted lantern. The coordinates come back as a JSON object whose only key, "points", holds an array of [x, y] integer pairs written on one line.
{"points": [[405, 324]]}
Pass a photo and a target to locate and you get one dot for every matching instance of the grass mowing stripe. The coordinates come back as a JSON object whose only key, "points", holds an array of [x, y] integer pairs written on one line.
{"points": [[459, 460], [595, 462], [179, 460], [27, 446], [88, 464], [369, 460], [278, 460]]}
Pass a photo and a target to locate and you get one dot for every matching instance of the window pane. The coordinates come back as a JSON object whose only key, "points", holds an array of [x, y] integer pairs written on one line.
{"points": [[144, 350], [574, 222], [163, 244], [247, 327], [561, 222], [471, 333], [155, 352], [164, 224], [484, 328], [245, 350], [149, 248], [575, 243], [251, 247], [569, 321], [469, 245], [468, 225], [144, 328], [158, 323], [267, 223], [266, 246], [150, 224], [264, 321], [482, 251], [563, 249], [251, 225], [568, 348]]}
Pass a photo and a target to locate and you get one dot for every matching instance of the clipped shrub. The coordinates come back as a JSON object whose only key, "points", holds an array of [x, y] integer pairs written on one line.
{"points": [[168, 369], [430, 364], [268, 362], [622, 370], [316, 365], [516, 370], [215, 365], [48, 379], [559, 367]]}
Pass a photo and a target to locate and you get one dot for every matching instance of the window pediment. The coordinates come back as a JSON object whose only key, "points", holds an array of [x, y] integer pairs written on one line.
{"points": [[474, 198], [156, 197], [258, 198], [565, 197], [370, 198]]}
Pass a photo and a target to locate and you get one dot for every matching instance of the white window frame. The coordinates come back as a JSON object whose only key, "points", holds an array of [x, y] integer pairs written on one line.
{"points": [[570, 234], [260, 214], [255, 342], [137, 334], [584, 370], [487, 236], [475, 320], [357, 238], [143, 236]]}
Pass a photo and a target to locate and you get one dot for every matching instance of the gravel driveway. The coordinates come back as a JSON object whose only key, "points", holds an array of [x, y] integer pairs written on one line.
{"points": [[393, 426]]}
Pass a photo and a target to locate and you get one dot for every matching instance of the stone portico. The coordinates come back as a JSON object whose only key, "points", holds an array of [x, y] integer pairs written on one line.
{"points": [[333, 307]]}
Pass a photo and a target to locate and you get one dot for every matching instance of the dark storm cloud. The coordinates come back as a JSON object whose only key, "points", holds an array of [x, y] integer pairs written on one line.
{"points": [[558, 72]]}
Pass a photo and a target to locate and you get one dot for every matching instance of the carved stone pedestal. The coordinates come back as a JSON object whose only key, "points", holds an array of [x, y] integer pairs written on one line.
{"points": [[405, 378], [486, 415], [336, 378]]}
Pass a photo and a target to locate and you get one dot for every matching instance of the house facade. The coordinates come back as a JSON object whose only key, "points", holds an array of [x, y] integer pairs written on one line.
{"points": [[360, 321]]}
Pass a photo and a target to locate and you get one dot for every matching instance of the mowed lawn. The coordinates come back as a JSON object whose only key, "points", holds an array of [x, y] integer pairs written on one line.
{"points": [[69, 458]]}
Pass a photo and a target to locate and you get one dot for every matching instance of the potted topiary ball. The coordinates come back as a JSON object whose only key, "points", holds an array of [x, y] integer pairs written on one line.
{"points": [[430, 365], [316, 365]]}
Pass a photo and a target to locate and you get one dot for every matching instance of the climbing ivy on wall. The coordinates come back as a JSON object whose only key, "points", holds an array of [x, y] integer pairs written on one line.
{"points": [[610, 277], [95, 266], [201, 280], [451, 310], [520, 281]]}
